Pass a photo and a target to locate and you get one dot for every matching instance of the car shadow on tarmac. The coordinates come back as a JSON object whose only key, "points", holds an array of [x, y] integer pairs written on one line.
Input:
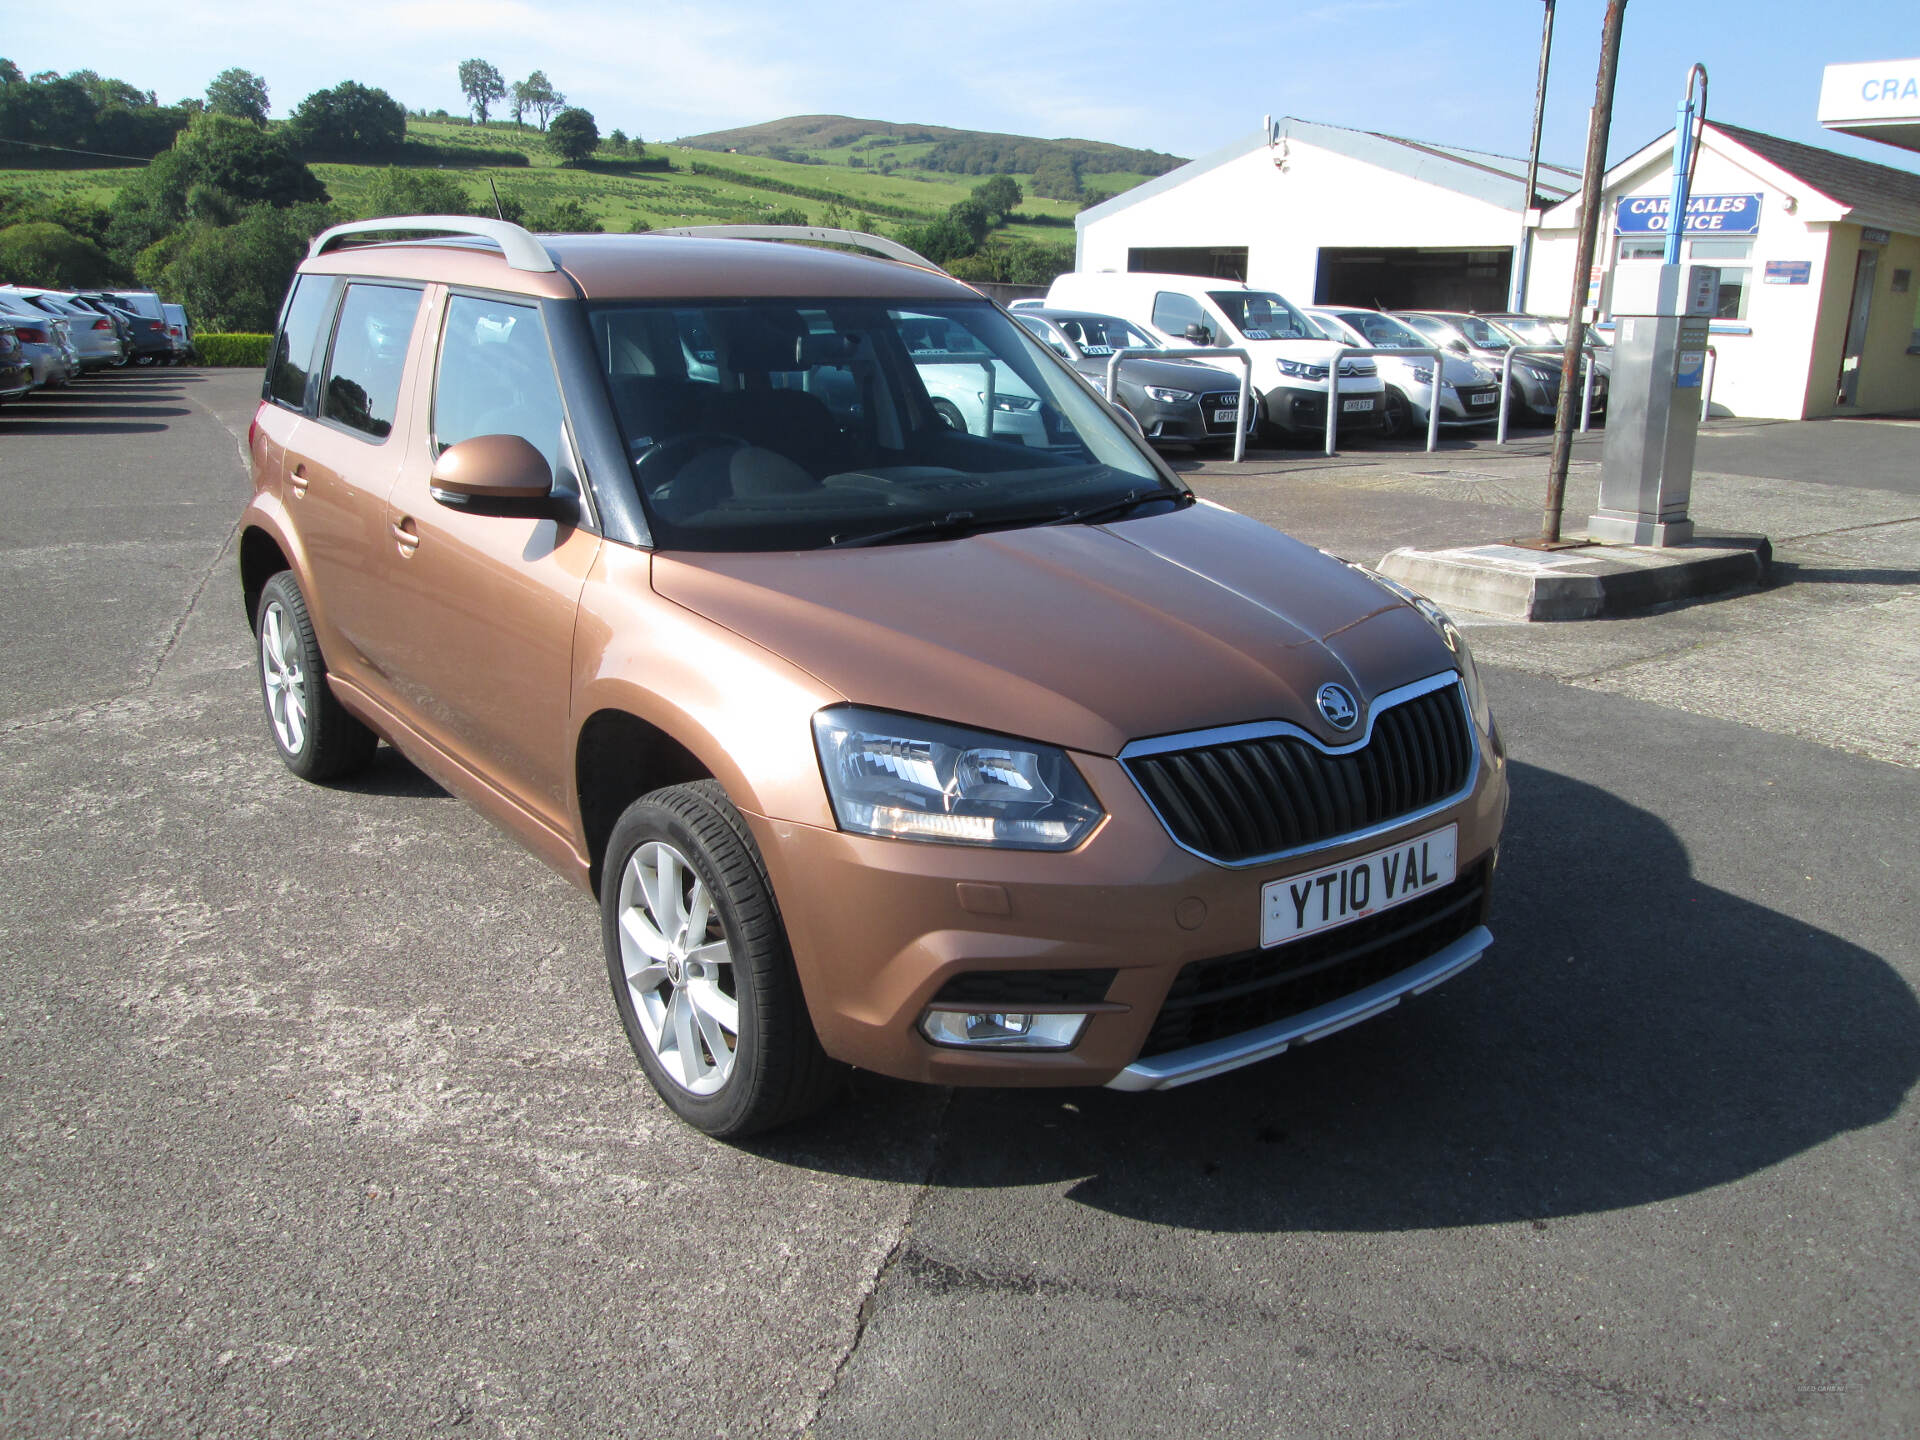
{"points": [[1633, 1036]]}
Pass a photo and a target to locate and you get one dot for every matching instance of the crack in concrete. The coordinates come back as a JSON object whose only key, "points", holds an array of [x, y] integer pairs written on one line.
{"points": [[863, 1317], [941, 1277], [179, 626]]}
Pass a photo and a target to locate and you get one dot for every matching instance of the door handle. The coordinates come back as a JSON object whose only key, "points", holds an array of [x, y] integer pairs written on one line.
{"points": [[299, 481], [405, 532]]}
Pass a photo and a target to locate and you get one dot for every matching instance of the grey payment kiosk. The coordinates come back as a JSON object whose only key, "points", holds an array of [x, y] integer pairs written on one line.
{"points": [[1661, 314]]}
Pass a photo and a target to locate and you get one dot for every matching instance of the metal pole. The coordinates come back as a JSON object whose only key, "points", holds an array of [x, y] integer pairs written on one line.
{"points": [[1706, 384], [1433, 404], [1524, 259], [1245, 414], [1506, 393], [1598, 128], [1333, 395], [1683, 159], [1586, 392]]}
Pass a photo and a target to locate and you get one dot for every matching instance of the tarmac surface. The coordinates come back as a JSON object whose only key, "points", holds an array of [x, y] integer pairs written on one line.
{"points": [[319, 1119]]}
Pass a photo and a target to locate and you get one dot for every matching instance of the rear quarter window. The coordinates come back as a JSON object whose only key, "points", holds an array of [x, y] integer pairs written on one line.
{"points": [[299, 335]]}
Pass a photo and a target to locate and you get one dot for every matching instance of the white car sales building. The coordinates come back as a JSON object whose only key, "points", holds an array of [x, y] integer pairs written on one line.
{"points": [[1819, 310], [1818, 251], [1328, 215]]}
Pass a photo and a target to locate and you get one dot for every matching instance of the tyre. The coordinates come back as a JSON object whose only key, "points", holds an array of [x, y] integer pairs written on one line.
{"points": [[950, 415], [1396, 416], [312, 730], [701, 971]]}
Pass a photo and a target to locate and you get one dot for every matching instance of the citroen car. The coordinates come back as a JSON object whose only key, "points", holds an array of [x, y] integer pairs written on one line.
{"points": [[878, 742]]}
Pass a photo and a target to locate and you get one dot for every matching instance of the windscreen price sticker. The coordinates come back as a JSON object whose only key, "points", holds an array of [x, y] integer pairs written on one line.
{"points": [[1354, 889]]}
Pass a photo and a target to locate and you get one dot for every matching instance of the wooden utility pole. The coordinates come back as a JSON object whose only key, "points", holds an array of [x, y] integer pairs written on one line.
{"points": [[1599, 126]]}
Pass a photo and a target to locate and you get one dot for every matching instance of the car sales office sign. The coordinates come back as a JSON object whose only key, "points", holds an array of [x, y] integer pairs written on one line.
{"points": [[1706, 215]]}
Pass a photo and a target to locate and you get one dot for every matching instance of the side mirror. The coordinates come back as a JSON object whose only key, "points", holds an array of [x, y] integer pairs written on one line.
{"points": [[1458, 347], [1198, 334], [492, 467]]}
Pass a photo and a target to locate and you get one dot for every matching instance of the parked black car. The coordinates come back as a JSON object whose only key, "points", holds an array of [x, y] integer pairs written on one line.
{"points": [[1179, 400]]}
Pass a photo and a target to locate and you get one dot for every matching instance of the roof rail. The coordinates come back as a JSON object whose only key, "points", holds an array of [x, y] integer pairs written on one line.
{"points": [[858, 239], [517, 244]]}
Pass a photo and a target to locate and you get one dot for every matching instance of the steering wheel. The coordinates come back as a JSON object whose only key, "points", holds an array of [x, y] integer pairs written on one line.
{"points": [[656, 470]]}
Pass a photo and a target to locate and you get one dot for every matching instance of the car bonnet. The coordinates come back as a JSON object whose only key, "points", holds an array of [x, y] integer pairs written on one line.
{"points": [[1083, 636]]}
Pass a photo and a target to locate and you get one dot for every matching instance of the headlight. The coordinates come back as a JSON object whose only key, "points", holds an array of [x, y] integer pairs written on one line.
{"points": [[904, 778], [1011, 402], [1301, 370], [1423, 374], [1449, 634], [1168, 397]]}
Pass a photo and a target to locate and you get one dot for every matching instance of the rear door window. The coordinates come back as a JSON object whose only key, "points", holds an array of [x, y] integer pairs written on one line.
{"points": [[369, 354], [300, 327]]}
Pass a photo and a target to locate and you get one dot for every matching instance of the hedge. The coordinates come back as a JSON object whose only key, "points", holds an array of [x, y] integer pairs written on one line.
{"points": [[245, 352]]}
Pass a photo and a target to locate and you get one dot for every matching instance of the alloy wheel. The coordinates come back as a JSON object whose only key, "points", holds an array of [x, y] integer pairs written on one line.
{"points": [[679, 968], [284, 676]]}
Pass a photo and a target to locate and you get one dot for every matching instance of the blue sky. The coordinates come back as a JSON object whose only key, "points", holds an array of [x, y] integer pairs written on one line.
{"points": [[1158, 75]]}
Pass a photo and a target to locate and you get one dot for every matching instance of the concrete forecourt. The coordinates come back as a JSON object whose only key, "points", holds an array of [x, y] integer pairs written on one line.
{"points": [[319, 1122]]}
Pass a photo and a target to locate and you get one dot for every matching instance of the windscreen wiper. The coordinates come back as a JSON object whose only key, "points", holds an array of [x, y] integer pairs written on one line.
{"points": [[954, 522], [966, 522], [1125, 505]]}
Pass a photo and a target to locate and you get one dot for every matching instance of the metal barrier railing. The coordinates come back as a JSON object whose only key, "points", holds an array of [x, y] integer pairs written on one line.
{"points": [[1343, 352], [1246, 384], [1542, 352], [1706, 383]]}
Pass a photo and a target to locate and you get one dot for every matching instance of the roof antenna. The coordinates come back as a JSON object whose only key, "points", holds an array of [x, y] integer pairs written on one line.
{"points": [[497, 211]]}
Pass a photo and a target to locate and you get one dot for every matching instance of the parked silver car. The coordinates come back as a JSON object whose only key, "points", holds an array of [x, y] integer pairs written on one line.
{"points": [[180, 332], [46, 340], [1469, 391], [96, 341]]}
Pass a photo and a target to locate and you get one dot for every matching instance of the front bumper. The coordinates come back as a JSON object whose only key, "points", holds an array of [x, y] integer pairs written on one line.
{"points": [[1191, 421], [879, 927], [1291, 409]]}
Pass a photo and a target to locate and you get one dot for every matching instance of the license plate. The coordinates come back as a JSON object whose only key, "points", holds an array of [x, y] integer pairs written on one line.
{"points": [[1225, 417], [1352, 405], [1483, 397], [1306, 904]]}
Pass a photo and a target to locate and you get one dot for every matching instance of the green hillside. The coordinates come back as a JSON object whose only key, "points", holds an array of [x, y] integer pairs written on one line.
{"points": [[726, 188], [845, 141], [219, 218]]}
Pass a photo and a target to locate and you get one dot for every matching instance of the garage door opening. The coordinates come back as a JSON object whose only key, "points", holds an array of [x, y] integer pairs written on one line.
{"points": [[1210, 262], [1414, 279]]}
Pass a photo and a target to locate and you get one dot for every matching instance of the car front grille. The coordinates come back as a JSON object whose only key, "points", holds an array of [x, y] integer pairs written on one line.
{"points": [[1245, 799], [1213, 999], [1215, 401]]}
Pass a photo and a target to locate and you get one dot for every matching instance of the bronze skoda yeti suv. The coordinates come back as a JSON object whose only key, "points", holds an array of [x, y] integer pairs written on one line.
{"points": [[887, 734]]}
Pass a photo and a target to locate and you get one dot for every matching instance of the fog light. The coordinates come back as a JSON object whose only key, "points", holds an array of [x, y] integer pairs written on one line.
{"points": [[1002, 1030]]}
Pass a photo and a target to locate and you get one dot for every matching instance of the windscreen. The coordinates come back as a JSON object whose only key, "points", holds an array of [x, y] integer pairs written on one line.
{"points": [[1261, 315], [1482, 334], [1383, 332], [1100, 335], [796, 424], [1534, 331]]}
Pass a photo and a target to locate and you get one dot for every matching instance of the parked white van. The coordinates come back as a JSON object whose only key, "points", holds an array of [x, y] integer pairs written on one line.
{"points": [[1290, 357]]}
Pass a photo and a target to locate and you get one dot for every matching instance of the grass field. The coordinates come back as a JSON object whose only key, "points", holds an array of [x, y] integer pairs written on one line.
{"points": [[661, 199]]}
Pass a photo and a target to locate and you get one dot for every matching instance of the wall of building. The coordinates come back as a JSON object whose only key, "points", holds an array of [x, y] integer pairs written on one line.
{"points": [[1764, 362], [1283, 217], [1889, 376]]}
